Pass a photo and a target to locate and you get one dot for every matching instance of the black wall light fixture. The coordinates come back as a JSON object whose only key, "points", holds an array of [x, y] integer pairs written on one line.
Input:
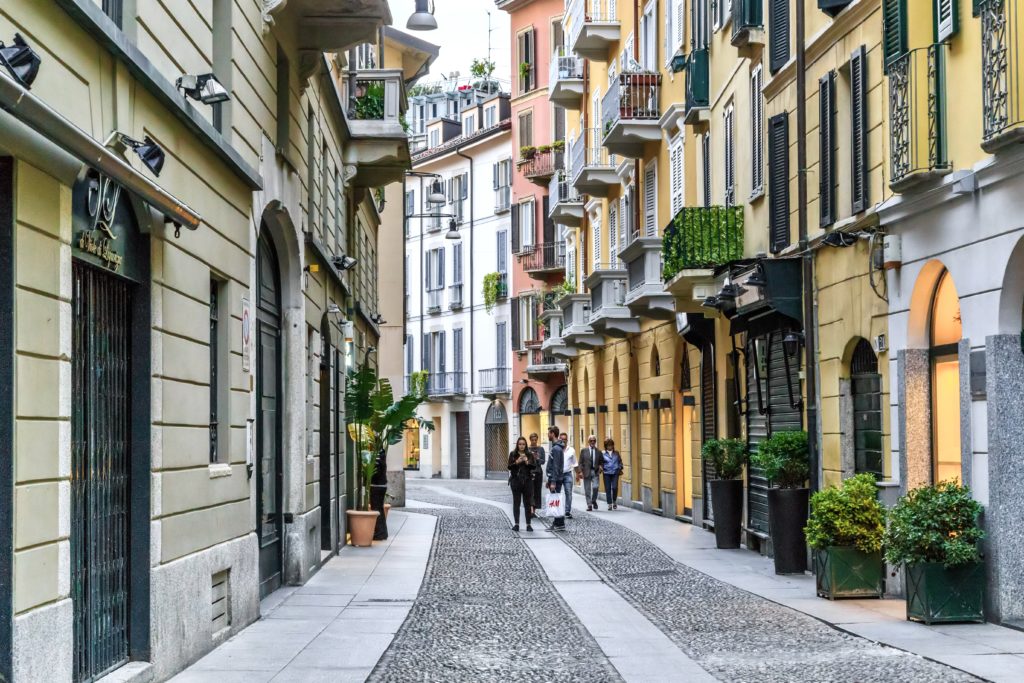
{"points": [[20, 60]]}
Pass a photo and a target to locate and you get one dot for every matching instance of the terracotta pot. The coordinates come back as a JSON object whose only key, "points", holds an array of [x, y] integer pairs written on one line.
{"points": [[387, 509], [361, 524]]}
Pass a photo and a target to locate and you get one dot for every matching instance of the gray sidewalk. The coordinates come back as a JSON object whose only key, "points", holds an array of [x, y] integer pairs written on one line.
{"points": [[336, 627]]}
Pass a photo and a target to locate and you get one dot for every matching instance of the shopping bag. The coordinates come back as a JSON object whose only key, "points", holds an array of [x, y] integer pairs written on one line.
{"points": [[554, 505]]}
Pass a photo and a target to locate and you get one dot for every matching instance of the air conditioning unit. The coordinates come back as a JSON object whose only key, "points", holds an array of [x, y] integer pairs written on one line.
{"points": [[881, 344]]}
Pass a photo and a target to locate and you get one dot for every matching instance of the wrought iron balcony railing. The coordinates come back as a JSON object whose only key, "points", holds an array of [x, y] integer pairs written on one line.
{"points": [[588, 151], [455, 297], [1002, 71], [702, 237], [543, 257], [435, 299], [564, 66], [542, 165], [495, 381], [502, 287], [631, 96], [579, 13], [697, 81], [540, 358], [447, 384], [917, 116], [561, 191]]}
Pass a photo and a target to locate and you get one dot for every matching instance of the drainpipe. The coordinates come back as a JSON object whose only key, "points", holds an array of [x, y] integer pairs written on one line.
{"points": [[472, 313], [636, 162], [810, 319]]}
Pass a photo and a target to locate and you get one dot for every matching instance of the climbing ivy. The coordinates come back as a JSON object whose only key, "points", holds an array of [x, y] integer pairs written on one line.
{"points": [[702, 237]]}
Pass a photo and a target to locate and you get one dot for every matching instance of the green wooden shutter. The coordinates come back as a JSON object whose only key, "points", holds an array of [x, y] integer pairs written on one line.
{"points": [[859, 128], [946, 19], [778, 34], [515, 228], [778, 181], [827, 149], [515, 325], [894, 30]]}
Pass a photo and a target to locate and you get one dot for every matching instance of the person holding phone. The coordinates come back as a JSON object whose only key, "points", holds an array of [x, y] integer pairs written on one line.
{"points": [[521, 467]]}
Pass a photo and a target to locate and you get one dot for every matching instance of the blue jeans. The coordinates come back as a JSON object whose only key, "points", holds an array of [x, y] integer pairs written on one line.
{"points": [[611, 487], [568, 479]]}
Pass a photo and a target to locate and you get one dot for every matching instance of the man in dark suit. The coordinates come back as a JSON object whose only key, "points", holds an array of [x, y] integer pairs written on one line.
{"points": [[590, 464], [555, 466]]}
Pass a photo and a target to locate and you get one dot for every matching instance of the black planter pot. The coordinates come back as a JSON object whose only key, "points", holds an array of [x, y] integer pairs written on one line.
{"points": [[727, 506], [787, 517]]}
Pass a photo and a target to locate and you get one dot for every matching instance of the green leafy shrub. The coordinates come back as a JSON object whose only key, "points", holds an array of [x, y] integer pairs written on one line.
{"points": [[935, 524], [527, 153], [847, 516], [492, 290], [558, 145], [566, 287], [784, 458], [702, 237], [727, 456]]}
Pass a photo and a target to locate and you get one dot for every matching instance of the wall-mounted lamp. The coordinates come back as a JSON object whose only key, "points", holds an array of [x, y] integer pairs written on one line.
{"points": [[334, 309], [756, 279], [423, 18], [151, 154], [203, 88], [20, 60], [791, 343], [711, 302], [436, 193], [453, 231], [343, 262]]}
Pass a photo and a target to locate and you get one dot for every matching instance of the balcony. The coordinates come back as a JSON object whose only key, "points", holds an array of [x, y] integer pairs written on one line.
{"points": [[630, 113], [553, 344], [565, 81], [455, 297], [591, 28], [697, 85], [502, 286], [495, 381], [542, 363], [646, 295], [375, 101], [543, 259], [748, 24], [576, 329], [502, 199], [593, 168], [329, 25], [566, 205], [435, 299], [608, 313], [539, 168], [698, 240], [917, 117], [1002, 89], [446, 384]]}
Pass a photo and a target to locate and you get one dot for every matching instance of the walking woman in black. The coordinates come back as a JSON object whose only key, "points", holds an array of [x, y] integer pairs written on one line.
{"points": [[521, 466]]}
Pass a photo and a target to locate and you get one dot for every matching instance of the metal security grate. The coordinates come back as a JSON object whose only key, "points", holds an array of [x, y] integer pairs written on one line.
{"points": [[100, 467]]}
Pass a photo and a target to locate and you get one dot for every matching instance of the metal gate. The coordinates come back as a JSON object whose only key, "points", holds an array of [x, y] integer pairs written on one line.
{"points": [[707, 422], [496, 441], [462, 445], [100, 464]]}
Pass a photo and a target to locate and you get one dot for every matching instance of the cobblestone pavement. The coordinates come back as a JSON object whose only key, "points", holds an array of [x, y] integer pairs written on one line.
{"points": [[486, 611], [734, 635]]}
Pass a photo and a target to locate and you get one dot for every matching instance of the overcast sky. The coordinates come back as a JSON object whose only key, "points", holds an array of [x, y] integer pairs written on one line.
{"points": [[462, 34]]}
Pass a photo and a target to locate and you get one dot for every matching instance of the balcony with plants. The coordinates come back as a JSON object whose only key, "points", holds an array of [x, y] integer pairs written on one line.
{"points": [[593, 166], [917, 116], [538, 164], [748, 24], [697, 241], [495, 289], [495, 381], [608, 313], [1002, 71], [565, 203], [591, 28], [542, 260], [375, 101], [565, 80], [646, 295], [698, 78], [630, 113]]}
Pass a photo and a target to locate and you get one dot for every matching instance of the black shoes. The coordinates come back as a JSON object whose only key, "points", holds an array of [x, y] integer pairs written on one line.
{"points": [[568, 515], [515, 527], [529, 527]]}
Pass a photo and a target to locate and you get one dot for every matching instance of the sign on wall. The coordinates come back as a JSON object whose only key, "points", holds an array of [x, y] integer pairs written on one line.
{"points": [[246, 336]]}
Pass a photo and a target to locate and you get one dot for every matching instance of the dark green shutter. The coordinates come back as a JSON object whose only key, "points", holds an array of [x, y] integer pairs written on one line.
{"points": [[976, 7], [859, 128], [515, 324], [946, 19], [778, 34], [778, 181], [515, 228], [894, 30], [827, 149]]}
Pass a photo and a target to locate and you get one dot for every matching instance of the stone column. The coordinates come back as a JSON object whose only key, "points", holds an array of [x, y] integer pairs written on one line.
{"points": [[915, 417]]}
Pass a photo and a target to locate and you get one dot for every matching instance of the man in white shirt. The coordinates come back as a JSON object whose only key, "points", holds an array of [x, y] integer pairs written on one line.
{"points": [[568, 472]]}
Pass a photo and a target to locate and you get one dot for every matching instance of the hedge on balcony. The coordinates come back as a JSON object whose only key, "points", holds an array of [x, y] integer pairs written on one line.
{"points": [[702, 237]]}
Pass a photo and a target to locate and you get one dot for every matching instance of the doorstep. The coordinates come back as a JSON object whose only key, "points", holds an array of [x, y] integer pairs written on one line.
{"points": [[989, 651]]}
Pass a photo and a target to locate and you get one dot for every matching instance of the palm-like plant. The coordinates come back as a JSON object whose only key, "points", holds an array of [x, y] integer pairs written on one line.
{"points": [[376, 421]]}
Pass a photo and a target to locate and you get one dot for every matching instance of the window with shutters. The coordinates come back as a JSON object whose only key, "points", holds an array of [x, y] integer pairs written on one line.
{"points": [[676, 163], [517, 337], [756, 132], [469, 124], [651, 199], [410, 355], [778, 34], [730, 155], [894, 30], [827, 149], [570, 265], [723, 12], [502, 183], [700, 21], [457, 360], [526, 60], [625, 221], [501, 340], [435, 138], [705, 160], [527, 225], [778, 181], [114, 9], [947, 21], [613, 236], [859, 127], [525, 130], [502, 248], [457, 264], [649, 37], [596, 229]]}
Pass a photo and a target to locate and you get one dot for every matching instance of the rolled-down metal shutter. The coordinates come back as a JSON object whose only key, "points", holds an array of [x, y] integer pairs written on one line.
{"points": [[707, 408], [757, 431]]}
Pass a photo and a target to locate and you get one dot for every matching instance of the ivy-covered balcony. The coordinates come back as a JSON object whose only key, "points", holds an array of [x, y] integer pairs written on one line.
{"points": [[608, 312], [565, 80], [697, 241], [698, 79], [1002, 90], [630, 113], [748, 23], [566, 204], [591, 27], [917, 116]]}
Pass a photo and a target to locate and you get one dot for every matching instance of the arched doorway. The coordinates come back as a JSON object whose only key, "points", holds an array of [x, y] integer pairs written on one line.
{"points": [[945, 330], [866, 390], [496, 441], [529, 413], [558, 409], [269, 472]]}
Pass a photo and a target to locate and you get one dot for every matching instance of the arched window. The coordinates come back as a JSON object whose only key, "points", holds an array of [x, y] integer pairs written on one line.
{"points": [[945, 331], [529, 404], [867, 410]]}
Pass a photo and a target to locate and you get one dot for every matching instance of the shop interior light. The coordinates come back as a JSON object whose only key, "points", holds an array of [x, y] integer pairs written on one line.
{"points": [[204, 88], [423, 18], [20, 60]]}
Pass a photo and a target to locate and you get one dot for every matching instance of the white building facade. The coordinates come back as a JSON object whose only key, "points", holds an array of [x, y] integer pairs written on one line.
{"points": [[458, 319]]}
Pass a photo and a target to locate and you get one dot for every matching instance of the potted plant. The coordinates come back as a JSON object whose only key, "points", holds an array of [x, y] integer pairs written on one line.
{"points": [[558, 145], [845, 531], [784, 461], [528, 152], [727, 458], [524, 76], [376, 421], [934, 535]]}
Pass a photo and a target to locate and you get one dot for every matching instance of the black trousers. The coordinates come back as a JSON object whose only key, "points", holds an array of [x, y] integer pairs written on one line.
{"points": [[538, 491], [522, 496], [378, 493], [611, 488]]}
